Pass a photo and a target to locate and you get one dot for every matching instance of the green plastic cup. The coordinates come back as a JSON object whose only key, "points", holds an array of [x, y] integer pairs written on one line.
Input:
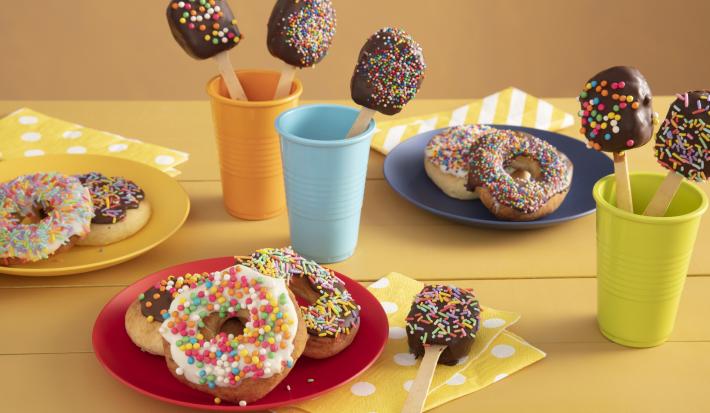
{"points": [[642, 262]]}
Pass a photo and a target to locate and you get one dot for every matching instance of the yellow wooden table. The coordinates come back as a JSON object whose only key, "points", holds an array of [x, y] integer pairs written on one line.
{"points": [[546, 275]]}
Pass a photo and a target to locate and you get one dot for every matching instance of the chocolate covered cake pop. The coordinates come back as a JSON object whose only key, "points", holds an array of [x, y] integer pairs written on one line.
{"points": [[683, 141], [300, 32], [389, 71], [444, 315], [616, 110], [203, 28]]}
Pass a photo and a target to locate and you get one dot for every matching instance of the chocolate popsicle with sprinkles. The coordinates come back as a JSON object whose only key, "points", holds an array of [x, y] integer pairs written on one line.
{"points": [[207, 29], [300, 33], [617, 115], [441, 327], [682, 146], [388, 74]]}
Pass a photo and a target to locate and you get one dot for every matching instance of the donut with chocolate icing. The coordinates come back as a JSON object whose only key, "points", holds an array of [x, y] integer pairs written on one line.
{"points": [[300, 32], [683, 141], [332, 317], [120, 208], [203, 28], [443, 315], [389, 71], [616, 110], [145, 315], [511, 198]]}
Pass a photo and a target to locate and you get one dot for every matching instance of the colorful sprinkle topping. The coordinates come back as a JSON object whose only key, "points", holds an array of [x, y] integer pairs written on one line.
{"points": [[334, 312], [263, 349], [112, 196], [156, 300], [451, 149], [497, 150], [392, 65], [203, 27], [308, 29], [41, 212], [683, 141], [442, 313]]}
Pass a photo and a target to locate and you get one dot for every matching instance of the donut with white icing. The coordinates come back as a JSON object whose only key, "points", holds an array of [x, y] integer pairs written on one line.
{"points": [[332, 316], [238, 368], [40, 215]]}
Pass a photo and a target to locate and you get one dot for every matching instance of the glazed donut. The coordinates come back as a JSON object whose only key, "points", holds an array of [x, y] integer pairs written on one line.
{"points": [[514, 199], [145, 315], [41, 214], [447, 159], [332, 317], [120, 208], [241, 368]]}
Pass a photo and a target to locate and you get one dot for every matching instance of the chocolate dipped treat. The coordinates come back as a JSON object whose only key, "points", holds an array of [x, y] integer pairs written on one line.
{"points": [[443, 315], [389, 71], [300, 32], [683, 141], [203, 28], [112, 196], [616, 110]]}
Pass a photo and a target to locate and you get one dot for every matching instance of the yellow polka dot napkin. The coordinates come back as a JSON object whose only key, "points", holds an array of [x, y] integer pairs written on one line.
{"points": [[496, 354], [510, 106], [26, 133]]}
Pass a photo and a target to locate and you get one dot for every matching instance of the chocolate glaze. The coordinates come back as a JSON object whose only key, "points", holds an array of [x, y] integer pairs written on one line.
{"points": [[444, 315], [300, 32], [161, 295], [112, 196], [602, 97], [162, 302], [683, 140], [203, 28], [389, 72]]}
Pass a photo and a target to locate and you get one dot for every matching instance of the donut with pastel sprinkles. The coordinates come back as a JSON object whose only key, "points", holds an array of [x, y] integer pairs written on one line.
{"points": [[300, 32], [683, 140], [389, 71], [443, 315], [616, 110]]}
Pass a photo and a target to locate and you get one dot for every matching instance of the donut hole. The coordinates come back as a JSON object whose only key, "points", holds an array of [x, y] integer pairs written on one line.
{"points": [[233, 325], [214, 325], [304, 292], [525, 168]]}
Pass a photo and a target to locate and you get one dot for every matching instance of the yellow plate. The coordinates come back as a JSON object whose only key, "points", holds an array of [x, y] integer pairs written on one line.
{"points": [[169, 202]]}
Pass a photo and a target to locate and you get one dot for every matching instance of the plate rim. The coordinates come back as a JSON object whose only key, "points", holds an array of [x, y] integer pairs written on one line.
{"points": [[490, 224], [228, 260], [84, 268]]}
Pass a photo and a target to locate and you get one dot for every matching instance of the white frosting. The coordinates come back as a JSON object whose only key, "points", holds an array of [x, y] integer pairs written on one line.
{"points": [[270, 365]]}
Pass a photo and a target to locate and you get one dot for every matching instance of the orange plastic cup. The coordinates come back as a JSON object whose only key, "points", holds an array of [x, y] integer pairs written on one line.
{"points": [[248, 144]]}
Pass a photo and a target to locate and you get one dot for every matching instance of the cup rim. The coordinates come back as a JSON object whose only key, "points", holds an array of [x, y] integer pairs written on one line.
{"points": [[312, 142], [213, 91], [596, 193]]}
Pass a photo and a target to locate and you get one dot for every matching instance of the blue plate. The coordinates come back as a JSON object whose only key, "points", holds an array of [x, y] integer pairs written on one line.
{"points": [[404, 170]]}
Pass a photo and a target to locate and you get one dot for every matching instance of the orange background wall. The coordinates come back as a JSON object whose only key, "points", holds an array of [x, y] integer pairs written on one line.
{"points": [[97, 49]]}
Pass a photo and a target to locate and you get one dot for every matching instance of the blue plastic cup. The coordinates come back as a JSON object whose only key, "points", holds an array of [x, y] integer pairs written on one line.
{"points": [[324, 176]]}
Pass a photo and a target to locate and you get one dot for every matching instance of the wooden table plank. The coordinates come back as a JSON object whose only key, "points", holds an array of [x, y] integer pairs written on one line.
{"points": [[392, 231], [553, 311], [579, 377]]}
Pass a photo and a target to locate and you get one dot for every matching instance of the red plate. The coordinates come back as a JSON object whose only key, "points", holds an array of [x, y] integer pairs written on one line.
{"points": [[149, 375]]}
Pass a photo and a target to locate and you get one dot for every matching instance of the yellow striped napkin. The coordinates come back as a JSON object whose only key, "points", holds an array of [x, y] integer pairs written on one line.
{"points": [[510, 107], [383, 388], [26, 133]]}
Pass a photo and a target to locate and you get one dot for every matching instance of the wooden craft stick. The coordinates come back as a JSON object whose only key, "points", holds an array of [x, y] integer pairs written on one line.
{"points": [[623, 185], [283, 89], [664, 195], [361, 123], [420, 387], [234, 88]]}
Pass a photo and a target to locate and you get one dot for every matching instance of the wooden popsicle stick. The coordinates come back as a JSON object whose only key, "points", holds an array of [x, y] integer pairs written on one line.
{"points": [[283, 89], [420, 387], [664, 195], [623, 185], [234, 88], [361, 123]]}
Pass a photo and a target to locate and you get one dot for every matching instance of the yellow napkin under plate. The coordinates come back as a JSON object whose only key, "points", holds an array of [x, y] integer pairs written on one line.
{"points": [[27, 133], [383, 388], [510, 106]]}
